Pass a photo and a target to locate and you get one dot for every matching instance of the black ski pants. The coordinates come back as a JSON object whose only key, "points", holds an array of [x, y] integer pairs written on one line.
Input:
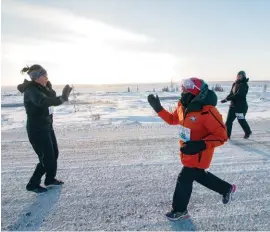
{"points": [[232, 115], [45, 145], [184, 185]]}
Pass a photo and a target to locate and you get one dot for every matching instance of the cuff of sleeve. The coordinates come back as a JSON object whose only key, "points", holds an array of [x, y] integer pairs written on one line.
{"points": [[161, 112], [62, 99]]}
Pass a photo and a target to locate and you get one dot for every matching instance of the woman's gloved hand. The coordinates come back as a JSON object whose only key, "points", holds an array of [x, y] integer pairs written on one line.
{"points": [[155, 103], [193, 147], [66, 92]]}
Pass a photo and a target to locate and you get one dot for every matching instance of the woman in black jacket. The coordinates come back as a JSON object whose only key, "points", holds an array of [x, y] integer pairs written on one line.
{"points": [[239, 106], [39, 100]]}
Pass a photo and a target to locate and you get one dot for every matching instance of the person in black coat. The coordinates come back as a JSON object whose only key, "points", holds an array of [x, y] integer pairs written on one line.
{"points": [[39, 100], [238, 107]]}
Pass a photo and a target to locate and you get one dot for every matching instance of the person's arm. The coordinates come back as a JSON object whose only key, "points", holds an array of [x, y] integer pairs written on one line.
{"points": [[242, 91], [225, 99], [170, 118], [217, 130], [41, 100], [230, 94]]}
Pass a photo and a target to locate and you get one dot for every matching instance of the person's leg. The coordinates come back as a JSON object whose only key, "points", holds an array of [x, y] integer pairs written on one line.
{"points": [[182, 194], [55, 145], [229, 122], [216, 184], [212, 182], [50, 180], [244, 124], [44, 145], [183, 189], [37, 175], [34, 182], [39, 170]]}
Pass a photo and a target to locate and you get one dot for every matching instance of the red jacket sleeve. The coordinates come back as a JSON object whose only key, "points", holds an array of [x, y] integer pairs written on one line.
{"points": [[170, 118], [217, 130]]}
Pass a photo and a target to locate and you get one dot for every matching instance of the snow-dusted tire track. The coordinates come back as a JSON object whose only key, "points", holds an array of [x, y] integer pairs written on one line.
{"points": [[123, 178]]}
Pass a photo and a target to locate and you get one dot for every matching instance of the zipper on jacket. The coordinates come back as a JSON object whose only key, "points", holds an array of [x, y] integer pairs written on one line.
{"points": [[200, 156], [182, 155]]}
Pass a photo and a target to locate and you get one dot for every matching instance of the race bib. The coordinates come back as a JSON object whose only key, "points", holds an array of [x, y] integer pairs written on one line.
{"points": [[51, 110], [184, 133], [240, 115]]}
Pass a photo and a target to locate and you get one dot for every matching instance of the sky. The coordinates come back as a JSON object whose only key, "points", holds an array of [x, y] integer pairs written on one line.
{"points": [[128, 41]]}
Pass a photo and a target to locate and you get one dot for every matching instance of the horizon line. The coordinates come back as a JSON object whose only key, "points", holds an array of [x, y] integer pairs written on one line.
{"points": [[136, 83]]}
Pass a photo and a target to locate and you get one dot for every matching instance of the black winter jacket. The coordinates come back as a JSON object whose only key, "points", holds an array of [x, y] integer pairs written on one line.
{"points": [[37, 100], [238, 95]]}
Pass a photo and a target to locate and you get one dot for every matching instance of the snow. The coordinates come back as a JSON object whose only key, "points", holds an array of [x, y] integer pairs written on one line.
{"points": [[120, 172], [116, 106]]}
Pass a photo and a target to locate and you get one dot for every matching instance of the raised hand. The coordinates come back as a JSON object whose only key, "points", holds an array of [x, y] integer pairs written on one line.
{"points": [[155, 102], [66, 92]]}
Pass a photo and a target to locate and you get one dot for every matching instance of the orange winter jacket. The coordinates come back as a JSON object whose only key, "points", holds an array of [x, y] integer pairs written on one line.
{"points": [[205, 123]]}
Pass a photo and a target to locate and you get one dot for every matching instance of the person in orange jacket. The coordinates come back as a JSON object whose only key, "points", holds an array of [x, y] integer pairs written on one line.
{"points": [[201, 129]]}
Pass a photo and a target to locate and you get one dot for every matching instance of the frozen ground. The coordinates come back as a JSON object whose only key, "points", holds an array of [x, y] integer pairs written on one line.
{"points": [[120, 171], [123, 178], [118, 108]]}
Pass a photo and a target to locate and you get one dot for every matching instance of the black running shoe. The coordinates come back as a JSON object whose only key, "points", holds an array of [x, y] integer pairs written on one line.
{"points": [[55, 182], [174, 216], [228, 197], [36, 189], [247, 135]]}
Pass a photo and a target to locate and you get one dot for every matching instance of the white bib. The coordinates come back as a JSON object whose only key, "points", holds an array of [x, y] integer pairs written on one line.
{"points": [[184, 133], [240, 115], [51, 110]]}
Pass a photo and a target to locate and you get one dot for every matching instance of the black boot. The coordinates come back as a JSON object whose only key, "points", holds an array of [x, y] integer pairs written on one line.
{"points": [[35, 189], [247, 135], [54, 182]]}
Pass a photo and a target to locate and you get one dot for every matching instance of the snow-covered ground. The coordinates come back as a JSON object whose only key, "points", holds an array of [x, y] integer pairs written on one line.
{"points": [[118, 107], [120, 172]]}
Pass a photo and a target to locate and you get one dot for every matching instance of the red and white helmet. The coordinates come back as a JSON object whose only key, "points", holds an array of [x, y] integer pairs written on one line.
{"points": [[192, 85]]}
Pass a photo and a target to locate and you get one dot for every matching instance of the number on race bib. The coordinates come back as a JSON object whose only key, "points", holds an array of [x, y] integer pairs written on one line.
{"points": [[184, 133]]}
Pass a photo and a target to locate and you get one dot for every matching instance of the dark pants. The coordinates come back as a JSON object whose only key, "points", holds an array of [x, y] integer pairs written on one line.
{"points": [[242, 121], [184, 184], [45, 145]]}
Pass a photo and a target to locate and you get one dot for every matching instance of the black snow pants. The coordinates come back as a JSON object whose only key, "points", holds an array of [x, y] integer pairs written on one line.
{"points": [[184, 185], [45, 145], [232, 115]]}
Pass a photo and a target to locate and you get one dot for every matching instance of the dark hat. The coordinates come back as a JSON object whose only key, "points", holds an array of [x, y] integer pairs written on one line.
{"points": [[243, 73]]}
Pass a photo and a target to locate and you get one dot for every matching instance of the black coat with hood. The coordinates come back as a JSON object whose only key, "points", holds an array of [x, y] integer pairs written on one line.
{"points": [[37, 100], [238, 95]]}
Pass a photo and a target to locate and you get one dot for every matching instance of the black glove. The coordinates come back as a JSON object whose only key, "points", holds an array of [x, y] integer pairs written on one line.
{"points": [[193, 147], [49, 85], [50, 91], [155, 103], [65, 93], [223, 101]]}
